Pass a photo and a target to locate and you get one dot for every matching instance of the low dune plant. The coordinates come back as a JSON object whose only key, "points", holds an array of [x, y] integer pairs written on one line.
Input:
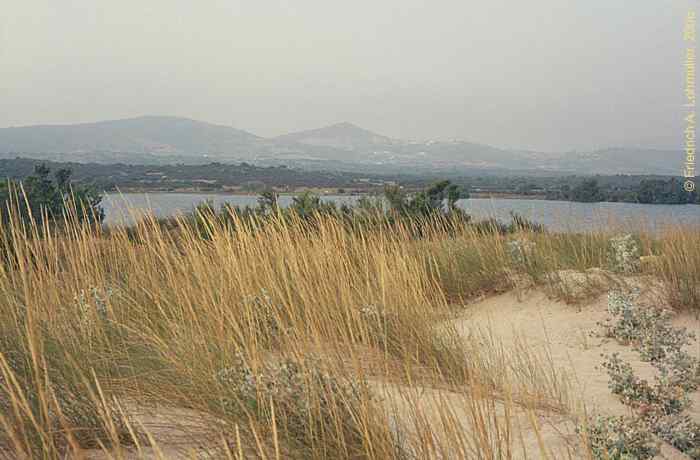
{"points": [[268, 319], [659, 406], [91, 307], [620, 438], [650, 332], [680, 431], [626, 320], [299, 397], [665, 396], [649, 329], [623, 255], [521, 252]]}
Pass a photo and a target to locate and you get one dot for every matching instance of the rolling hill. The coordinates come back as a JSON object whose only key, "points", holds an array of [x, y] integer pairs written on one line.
{"points": [[143, 135]]}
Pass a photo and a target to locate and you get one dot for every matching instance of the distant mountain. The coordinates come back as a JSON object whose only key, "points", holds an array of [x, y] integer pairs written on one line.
{"points": [[344, 136], [341, 147], [629, 160], [151, 135], [346, 142]]}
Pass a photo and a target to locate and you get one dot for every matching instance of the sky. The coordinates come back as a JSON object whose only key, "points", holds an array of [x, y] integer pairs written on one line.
{"points": [[549, 75]]}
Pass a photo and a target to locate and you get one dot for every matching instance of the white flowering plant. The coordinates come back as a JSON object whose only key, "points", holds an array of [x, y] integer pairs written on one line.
{"points": [[623, 254], [520, 251], [306, 398], [92, 307]]}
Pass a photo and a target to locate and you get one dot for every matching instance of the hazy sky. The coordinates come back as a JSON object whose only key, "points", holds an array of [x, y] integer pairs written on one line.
{"points": [[540, 74]]}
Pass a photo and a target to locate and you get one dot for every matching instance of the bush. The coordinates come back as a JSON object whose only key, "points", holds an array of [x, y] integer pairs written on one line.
{"points": [[425, 202], [680, 431], [620, 438], [666, 396], [40, 198], [623, 255], [521, 252], [651, 333], [659, 407], [307, 400]]}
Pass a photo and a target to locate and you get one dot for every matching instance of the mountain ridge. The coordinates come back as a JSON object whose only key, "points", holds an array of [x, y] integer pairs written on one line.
{"points": [[163, 139]]}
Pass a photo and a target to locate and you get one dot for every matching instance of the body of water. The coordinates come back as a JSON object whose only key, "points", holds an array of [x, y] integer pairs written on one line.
{"points": [[555, 215]]}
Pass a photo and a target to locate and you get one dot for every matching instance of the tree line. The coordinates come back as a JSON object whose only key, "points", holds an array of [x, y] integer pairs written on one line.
{"points": [[42, 196], [647, 191]]}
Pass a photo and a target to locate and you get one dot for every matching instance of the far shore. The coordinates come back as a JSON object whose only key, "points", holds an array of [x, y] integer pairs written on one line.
{"points": [[320, 191], [368, 193]]}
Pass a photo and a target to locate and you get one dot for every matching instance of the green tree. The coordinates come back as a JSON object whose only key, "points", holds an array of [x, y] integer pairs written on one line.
{"points": [[646, 192], [664, 192], [41, 198], [587, 191], [268, 201], [309, 203], [431, 200], [453, 195], [396, 198]]}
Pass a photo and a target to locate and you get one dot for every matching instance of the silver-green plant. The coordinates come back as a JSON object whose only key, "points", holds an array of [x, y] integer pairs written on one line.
{"points": [[91, 305], [520, 251], [94, 298], [306, 398], [620, 438], [623, 254], [626, 320], [665, 396], [680, 431], [268, 315], [650, 331], [659, 406]]}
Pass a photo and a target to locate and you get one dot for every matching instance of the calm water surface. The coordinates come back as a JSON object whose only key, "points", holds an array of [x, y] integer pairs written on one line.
{"points": [[555, 215]]}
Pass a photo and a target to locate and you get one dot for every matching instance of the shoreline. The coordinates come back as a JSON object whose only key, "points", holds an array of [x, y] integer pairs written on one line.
{"points": [[481, 196]]}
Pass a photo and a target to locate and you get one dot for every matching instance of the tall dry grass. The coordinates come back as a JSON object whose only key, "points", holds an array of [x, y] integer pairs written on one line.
{"points": [[288, 338], [471, 263], [678, 266]]}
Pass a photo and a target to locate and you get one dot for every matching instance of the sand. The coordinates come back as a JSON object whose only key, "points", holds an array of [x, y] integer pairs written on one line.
{"points": [[567, 337]]}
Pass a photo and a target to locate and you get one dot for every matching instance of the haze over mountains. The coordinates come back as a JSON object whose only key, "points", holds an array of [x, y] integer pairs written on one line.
{"points": [[342, 146]]}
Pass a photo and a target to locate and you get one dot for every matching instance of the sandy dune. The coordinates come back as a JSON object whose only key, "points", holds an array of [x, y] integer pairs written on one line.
{"points": [[564, 336], [571, 336]]}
